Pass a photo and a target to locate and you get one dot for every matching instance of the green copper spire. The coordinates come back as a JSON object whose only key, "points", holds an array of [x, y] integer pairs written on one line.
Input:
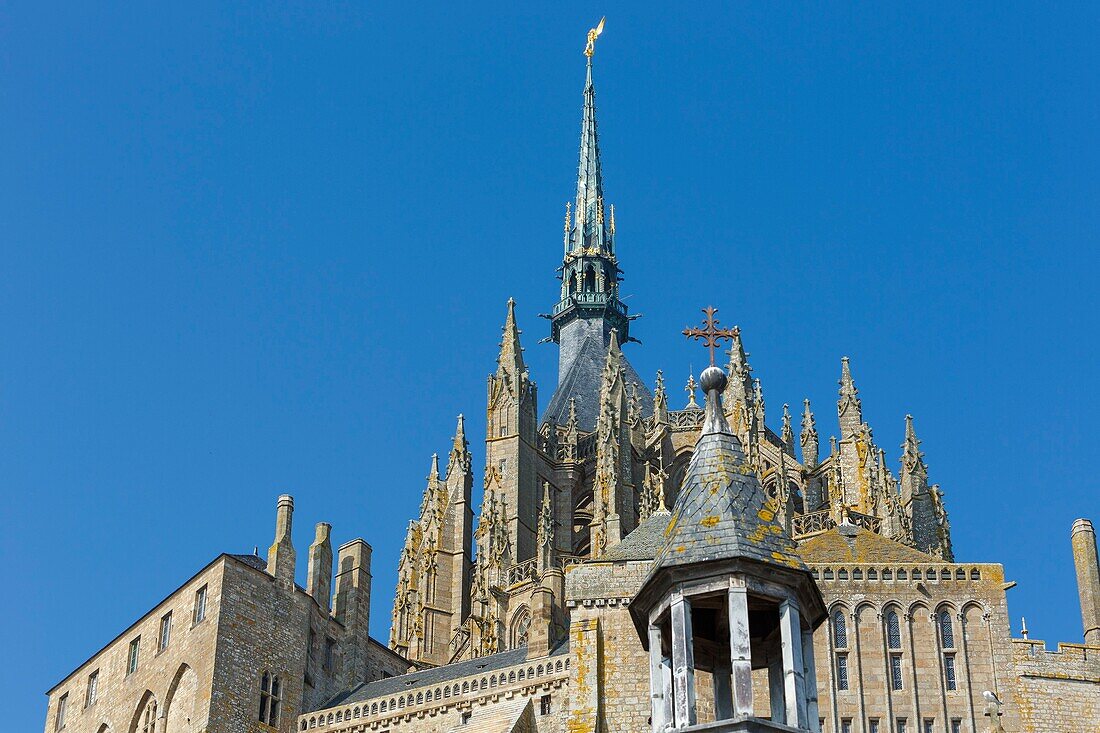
{"points": [[589, 308]]}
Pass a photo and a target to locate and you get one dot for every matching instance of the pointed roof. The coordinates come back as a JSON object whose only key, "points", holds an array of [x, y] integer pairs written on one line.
{"points": [[511, 353], [722, 511], [588, 225], [581, 383]]}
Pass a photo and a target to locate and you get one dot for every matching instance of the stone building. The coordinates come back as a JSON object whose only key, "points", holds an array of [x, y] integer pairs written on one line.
{"points": [[631, 567], [238, 647]]}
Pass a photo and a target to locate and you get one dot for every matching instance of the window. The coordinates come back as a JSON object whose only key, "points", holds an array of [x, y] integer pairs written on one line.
{"points": [[901, 725], [895, 672], [62, 709], [956, 725], [165, 632], [544, 705], [200, 605], [873, 725], [466, 718], [132, 657], [929, 725], [330, 647], [947, 630], [270, 697], [93, 689], [949, 677], [842, 671], [840, 630], [148, 719], [893, 630], [846, 725]]}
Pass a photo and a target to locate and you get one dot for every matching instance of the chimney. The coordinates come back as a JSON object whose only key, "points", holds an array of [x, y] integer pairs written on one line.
{"points": [[280, 557], [1083, 538], [319, 574], [352, 606]]}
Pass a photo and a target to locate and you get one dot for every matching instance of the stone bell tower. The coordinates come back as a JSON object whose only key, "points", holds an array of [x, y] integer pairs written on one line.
{"points": [[728, 593]]}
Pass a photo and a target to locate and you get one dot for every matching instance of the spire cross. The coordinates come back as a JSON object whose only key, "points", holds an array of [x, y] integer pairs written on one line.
{"points": [[711, 334]]}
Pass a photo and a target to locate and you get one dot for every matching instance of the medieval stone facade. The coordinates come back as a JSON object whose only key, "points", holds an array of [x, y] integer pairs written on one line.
{"points": [[560, 609], [238, 647]]}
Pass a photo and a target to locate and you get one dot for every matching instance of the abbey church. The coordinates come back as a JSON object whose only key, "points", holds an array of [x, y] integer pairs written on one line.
{"points": [[629, 567]]}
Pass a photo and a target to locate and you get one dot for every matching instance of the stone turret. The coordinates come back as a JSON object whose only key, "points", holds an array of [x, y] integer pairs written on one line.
{"points": [[319, 573], [280, 557], [1083, 537], [510, 440]]}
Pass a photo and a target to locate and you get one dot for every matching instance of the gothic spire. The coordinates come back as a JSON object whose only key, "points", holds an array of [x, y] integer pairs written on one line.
{"points": [[511, 353], [460, 449], [808, 436], [849, 410], [589, 230]]}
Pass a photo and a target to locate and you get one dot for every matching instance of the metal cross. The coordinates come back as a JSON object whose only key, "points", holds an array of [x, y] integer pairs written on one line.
{"points": [[711, 334]]}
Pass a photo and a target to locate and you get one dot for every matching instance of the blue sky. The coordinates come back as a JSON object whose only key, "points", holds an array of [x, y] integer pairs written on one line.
{"points": [[251, 249]]}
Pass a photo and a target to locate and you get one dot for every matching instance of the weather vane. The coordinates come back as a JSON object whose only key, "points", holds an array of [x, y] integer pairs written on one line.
{"points": [[593, 34], [711, 334]]}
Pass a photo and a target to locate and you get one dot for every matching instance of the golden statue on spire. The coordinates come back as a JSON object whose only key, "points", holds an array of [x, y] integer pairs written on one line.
{"points": [[593, 34]]}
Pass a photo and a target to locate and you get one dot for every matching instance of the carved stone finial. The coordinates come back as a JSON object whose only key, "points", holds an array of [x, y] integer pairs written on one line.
{"points": [[690, 389]]}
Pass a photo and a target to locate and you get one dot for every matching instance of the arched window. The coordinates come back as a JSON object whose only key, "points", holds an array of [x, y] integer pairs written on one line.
{"points": [[271, 695], [947, 641], [148, 719], [521, 628], [840, 644], [589, 280], [840, 630], [573, 282], [893, 642], [947, 630], [893, 630]]}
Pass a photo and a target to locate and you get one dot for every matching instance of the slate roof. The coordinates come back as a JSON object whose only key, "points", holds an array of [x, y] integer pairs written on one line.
{"points": [[721, 510], [855, 545], [644, 542], [582, 380], [254, 560], [435, 676]]}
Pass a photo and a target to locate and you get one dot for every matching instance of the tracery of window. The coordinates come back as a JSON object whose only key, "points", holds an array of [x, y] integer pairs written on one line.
{"points": [[149, 718], [270, 699], [521, 628]]}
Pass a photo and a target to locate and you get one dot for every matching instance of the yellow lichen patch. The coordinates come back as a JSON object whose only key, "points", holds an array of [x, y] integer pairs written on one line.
{"points": [[681, 548], [766, 514], [710, 521]]}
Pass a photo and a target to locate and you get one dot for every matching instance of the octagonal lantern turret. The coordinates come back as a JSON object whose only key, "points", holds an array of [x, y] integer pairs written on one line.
{"points": [[728, 594]]}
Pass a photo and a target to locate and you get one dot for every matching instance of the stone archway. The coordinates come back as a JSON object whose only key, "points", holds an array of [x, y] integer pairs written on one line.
{"points": [[180, 716]]}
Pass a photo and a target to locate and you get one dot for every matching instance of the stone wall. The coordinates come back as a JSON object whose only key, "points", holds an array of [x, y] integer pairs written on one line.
{"points": [[1057, 692], [973, 597], [176, 679]]}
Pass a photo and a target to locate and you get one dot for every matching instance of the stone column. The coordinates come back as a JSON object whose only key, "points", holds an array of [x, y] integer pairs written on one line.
{"points": [[1083, 537], [660, 683], [683, 662], [793, 673], [740, 652]]}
